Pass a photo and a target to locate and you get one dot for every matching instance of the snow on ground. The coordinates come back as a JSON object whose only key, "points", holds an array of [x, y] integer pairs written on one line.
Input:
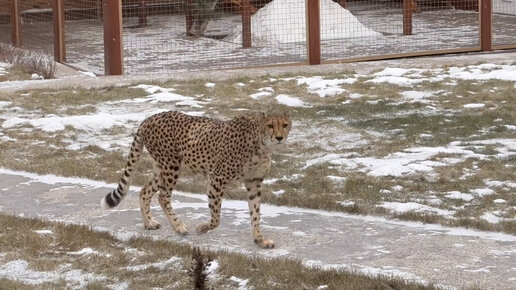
{"points": [[93, 122], [84, 252], [4, 104], [43, 232], [409, 77], [175, 262], [417, 96], [474, 106], [459, 195], [404, 207], [289, 101], [3, 68], [19, 270], [242, 283], [324, 87], [416, 159], [269, 24], [126, 113]]}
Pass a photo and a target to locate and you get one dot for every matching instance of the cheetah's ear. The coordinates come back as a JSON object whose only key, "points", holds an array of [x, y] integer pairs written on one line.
{"points": [[263, 115], [287, 114]]}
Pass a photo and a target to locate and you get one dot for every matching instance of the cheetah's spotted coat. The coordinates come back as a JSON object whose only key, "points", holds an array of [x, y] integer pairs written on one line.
{"points": [[223, 151]]}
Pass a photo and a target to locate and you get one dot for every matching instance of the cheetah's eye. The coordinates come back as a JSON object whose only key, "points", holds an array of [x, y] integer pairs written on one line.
{"points": [[285, 125], [270, 126]]}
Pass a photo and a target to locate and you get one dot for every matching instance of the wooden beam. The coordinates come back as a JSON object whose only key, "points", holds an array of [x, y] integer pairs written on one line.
{"points": [[246, 23], [404, 55], [16, 37], [113, 38], [313, 29], [59, 31], [486, 25], [407, 17]]}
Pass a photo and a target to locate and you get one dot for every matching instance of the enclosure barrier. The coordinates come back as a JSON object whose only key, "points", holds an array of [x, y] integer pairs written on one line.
{"points": [[138, 36]]}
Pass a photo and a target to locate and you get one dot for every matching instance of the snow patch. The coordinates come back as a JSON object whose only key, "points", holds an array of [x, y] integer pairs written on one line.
{"points": [[474, 106], [175, 261], [84, 252], [323, 88], [260, 95], [269, 24], [43, 232], [459, 195], [242, 283], [404, 207], [289, 101], [19, 270]]}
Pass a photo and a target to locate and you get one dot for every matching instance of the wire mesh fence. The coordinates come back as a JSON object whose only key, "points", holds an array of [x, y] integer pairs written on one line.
{"points": [[378, 27], [197, 34], [5, 22], [35, 25], [504, 22], [84, 34], [174, 35]]}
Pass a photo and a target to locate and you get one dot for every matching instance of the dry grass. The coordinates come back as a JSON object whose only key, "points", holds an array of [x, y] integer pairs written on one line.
{"points": [[25, 62], [20, 242], [385, 122]]}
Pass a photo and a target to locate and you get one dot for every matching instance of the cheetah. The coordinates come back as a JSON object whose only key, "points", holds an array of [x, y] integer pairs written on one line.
{"points": [[222, 151]]}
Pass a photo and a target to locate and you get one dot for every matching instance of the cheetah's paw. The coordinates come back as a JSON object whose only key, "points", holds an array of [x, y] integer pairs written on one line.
{"points": [[265, 243], [204, 228], [152, 224]]}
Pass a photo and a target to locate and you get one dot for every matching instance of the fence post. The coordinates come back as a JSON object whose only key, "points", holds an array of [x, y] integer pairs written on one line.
{"points": [[142, 13], [15, 23], [59, 31], [486, 25], [246, 23], [313, 29], [407, 17], [113, 45], [189, 16]]}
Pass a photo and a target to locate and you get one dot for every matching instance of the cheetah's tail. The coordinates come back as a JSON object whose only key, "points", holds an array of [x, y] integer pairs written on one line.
{"points": [[113, 198]]}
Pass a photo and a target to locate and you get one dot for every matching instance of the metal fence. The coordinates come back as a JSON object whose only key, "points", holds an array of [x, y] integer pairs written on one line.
{"points": [[155, 36]]}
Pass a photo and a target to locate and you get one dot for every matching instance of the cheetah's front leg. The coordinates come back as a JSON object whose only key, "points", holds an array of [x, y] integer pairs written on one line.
{"points": [[254, 196]]}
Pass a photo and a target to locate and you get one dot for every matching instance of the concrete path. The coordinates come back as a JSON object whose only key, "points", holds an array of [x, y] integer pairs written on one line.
{"points": [[427, 253], [67, 77]]}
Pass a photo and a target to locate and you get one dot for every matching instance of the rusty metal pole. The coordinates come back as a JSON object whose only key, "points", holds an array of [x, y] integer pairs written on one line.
{"points": [[113, 45], [59, 31], [189, 16], [142, 13], [486, 25], [246, 23], [313, 29], [16, 37], [407, 17]]}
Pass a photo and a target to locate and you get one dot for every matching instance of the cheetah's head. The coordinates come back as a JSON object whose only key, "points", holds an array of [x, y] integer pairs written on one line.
{"points": [[276, 128]]}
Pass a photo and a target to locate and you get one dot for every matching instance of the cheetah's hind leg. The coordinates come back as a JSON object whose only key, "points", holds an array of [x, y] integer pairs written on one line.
{"points": [[146, 194], [168, 181]]}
